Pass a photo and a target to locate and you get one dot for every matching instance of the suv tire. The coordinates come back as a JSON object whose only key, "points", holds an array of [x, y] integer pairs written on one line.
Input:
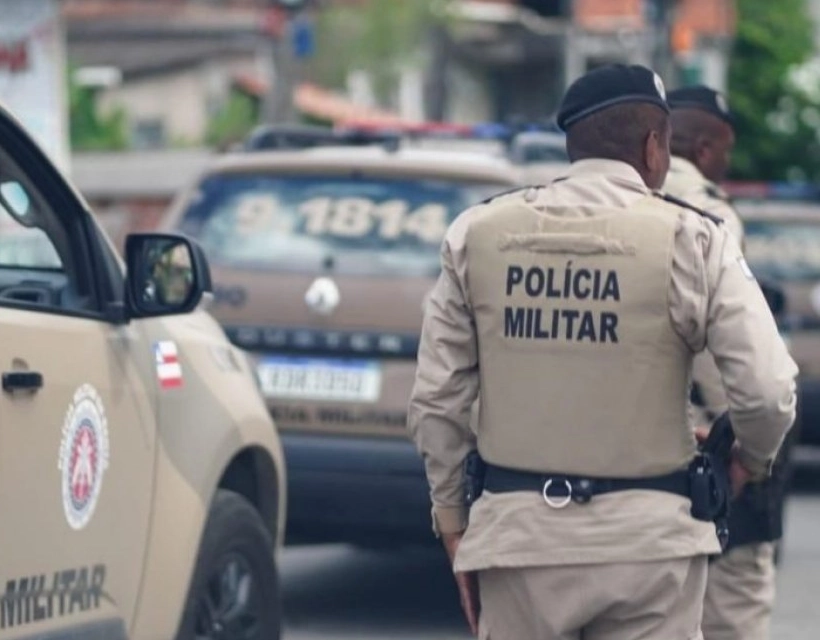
{"points": [[234, 594]]}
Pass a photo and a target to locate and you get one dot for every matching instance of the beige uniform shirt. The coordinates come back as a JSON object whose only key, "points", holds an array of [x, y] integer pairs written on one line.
{"points": [[685, 181], [711, 302]]}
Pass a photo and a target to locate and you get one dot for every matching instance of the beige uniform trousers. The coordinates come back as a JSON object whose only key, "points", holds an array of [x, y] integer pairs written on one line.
{"points": [[660, 600], [740, 594]]}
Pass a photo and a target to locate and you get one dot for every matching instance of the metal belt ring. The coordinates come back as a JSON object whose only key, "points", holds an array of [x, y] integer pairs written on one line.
{"points": [[557, 503]]}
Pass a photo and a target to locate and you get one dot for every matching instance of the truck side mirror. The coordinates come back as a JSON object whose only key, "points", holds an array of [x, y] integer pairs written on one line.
{"points": [[167, 274]]}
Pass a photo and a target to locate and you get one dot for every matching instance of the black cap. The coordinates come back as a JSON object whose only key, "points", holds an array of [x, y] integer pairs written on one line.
{"points": [[607, 86], [703, 98]]}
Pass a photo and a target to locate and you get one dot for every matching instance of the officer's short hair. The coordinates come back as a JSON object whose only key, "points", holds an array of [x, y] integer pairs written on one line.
{"points": [[616, 133]]}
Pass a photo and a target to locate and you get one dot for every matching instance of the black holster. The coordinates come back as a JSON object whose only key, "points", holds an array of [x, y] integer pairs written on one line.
{"points": [[710, 484], [757, 513], [710, 488], [475, 470]]}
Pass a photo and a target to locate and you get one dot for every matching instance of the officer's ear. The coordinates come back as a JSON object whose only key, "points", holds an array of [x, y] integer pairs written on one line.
{"points": [[656, 157]]}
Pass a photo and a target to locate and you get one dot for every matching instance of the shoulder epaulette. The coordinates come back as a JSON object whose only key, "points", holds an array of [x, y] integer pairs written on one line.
{"points": [[682, 203], [517, 189], [504, 193], [714, 191]]}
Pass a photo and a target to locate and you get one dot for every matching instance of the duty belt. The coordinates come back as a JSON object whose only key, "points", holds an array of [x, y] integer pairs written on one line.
{"points": [[559, 489]]}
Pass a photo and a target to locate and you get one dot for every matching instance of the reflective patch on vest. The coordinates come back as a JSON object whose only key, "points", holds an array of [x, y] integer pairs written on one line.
{"points": [[577, 243], [562, 321], [744, 266]]}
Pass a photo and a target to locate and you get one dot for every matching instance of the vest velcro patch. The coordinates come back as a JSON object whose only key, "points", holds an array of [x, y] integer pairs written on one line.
{"points": [[575, 243]]}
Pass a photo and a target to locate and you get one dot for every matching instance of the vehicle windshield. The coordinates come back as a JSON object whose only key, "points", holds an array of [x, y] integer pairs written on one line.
{"points": [[23, 247], [538, 153], [534, 148], [783, 250], [339, 224]]}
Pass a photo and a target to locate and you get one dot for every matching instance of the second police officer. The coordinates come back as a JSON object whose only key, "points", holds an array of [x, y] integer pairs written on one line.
{"points": [[741, 586], [575, 310]]}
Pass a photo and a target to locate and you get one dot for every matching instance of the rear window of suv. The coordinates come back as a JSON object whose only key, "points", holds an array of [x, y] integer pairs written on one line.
{"points": [[783, 250], [352, 225]]}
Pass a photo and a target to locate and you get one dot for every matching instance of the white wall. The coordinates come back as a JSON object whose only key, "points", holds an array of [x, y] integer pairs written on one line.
{"points": [[469, 96], [179, 99], [814, 11]]}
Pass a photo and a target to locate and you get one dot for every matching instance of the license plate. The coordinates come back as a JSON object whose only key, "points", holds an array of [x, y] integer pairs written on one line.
{"points": [[315, 379]]}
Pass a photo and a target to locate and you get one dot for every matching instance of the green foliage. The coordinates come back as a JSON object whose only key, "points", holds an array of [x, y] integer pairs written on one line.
{"points": [[776, 106], [90, 130], [376, 36], [234, 121]]}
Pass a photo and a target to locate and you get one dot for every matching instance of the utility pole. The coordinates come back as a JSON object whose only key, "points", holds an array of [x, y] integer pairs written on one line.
{"points": [[291, 40], [663, 13]]}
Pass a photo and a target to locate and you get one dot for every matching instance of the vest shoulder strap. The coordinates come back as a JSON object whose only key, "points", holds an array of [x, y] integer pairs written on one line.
{"points": [[514, 190], [682, 203], [713, 191], [508, 192]]}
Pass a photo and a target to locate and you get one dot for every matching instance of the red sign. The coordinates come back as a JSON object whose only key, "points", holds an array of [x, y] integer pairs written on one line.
{"points": [[14, 56]]}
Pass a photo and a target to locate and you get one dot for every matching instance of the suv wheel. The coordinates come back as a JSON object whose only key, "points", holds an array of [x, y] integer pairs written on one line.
{"points": [[234, 594]]}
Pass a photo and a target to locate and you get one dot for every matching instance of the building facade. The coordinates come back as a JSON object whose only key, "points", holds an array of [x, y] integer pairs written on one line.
{"points": [[501, 59]]}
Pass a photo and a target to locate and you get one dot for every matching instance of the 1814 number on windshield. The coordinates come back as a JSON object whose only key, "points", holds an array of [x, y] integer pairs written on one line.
{"points": [[357, 217]]}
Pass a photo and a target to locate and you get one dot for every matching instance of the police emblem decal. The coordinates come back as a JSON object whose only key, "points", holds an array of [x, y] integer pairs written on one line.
{"points": [[323, 296], [84, 455], [659, 86]]}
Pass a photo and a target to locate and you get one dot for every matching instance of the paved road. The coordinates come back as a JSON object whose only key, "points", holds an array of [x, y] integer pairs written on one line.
{"points": [[336, 592]]}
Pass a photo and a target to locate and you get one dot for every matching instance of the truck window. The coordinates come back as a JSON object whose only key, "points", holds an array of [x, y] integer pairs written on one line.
{"points": [[351, 225], [783, 250], [25, 247]]}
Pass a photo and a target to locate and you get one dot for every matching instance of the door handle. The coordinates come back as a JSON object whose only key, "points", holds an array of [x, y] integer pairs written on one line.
{"points": [[22, 380]]}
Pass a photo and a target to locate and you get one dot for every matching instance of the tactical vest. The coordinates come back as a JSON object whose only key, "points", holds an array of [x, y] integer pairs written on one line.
{"points": [[581, 369]]}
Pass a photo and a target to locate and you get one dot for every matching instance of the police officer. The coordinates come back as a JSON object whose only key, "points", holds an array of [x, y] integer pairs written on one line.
{"points": [[575, 309], [702, 141], [703, 138], [741, 585]]}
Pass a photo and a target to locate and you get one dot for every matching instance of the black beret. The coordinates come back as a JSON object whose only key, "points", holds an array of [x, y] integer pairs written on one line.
{"points": [[607, 86], [703, 98]]}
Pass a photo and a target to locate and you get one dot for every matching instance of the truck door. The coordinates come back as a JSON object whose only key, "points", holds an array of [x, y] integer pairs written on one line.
{"points": [[77, 430]]}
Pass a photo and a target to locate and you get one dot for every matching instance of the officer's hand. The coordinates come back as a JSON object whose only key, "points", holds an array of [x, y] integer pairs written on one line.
{"points": [[738, 475], [467, 583], [701, 433]]}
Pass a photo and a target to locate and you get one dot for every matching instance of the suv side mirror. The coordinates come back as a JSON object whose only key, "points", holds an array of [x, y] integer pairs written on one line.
{"points": [[775, 297], [167, 274]]}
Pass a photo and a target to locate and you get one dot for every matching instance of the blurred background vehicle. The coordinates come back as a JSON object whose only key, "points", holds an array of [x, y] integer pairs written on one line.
{"points": [[141, 476], [783, 246], [137, 99], [540, 156], [323, 246], [143, 102]]}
